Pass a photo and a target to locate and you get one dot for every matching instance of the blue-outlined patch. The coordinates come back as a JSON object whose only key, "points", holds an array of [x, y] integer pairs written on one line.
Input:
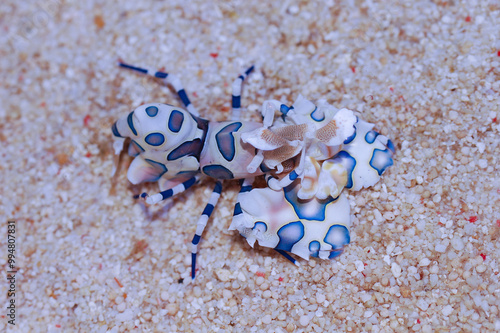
{"points": [[338, 237], [260, 227], [349, 163], [159, 167], [130, 122], [316, 117], [152, 111], [289, 235], [175, 121], [189, 148], [390, 145], [335, 253], [351, 138], [381, 160], [114, 129], [314, 248], [371, 136], [217, 171], [311, 209], [225, 140], [155, 139]]}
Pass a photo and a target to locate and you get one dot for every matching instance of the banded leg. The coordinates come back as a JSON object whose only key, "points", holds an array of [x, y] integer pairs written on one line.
{"points": [[202, 223], [246, 186], [155, 198], [236, 98], [169, 78]]}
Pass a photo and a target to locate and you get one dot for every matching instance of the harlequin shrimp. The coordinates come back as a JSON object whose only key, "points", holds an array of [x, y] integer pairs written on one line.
{"points": [[307, 153]]}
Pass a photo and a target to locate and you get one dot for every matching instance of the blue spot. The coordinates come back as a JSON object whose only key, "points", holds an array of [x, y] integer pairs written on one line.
{"points": [[155, 139], [260, 227], [349, 162], [311, 209], [152, 111], [371, 136], [183, 96], [237, 209], [349, 139], [236, 102], [115, 131], [189, 148], [130, 122], [209, 208], [289, 235], [338, 237], [159, 167], [293, 175], [381, 160], [390, 145], [225, 140], [316, 117], [314, 248], [217, 171], [175, 121]]}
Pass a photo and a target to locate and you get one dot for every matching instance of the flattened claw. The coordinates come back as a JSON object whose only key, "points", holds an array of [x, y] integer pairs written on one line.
{"points": [[365, 157], [277, 219]]}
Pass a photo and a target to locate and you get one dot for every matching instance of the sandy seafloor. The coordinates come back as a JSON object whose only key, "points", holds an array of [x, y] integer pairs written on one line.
{"points": [[425, 251]]}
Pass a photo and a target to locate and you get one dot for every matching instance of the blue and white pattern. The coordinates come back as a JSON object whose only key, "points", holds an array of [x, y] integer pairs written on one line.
{"points": [[308, 154]]}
